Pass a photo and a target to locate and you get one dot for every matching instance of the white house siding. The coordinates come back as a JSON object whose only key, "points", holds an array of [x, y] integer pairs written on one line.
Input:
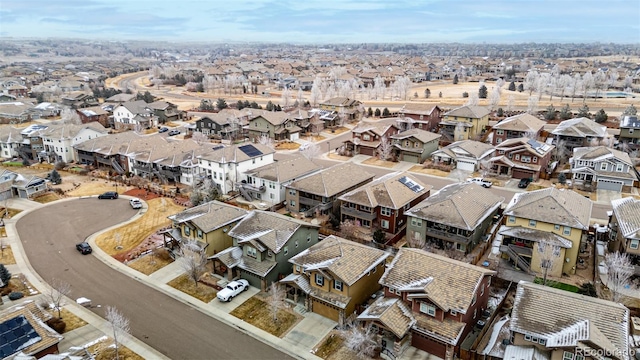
{"points": [[231, 171]]}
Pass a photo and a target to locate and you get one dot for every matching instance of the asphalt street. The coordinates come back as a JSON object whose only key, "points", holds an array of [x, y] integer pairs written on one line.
{"points": [[49, 235]]}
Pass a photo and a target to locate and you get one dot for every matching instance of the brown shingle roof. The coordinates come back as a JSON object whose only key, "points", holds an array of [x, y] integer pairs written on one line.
{"points": [[210, 216], [469, 111], [392, 313], [333, 180], [551, 205], [388, 191], [522, 122]]}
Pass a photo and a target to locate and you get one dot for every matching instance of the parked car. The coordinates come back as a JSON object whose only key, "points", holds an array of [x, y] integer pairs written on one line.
{"points": [[163, 129], [482, 182], [304, 146], [135, 203], [108, 195], [524, 183], [174, 132], [84, 248], [232, 290]]}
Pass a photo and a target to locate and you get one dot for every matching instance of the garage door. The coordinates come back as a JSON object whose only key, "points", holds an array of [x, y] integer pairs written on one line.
{"points": [[466, 165], [521, 174], [294, 136], [604, 184], [328, 311], [410, 158]]}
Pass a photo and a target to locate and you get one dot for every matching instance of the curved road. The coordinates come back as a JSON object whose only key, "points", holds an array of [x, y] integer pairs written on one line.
{"points": [[49, 235]]}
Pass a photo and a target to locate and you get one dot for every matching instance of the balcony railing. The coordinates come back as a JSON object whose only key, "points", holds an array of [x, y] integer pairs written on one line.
{"points": [[357, 213], [448, 236]]}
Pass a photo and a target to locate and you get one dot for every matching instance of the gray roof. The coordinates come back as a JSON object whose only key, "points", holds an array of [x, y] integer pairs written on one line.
{"points": [[333, 180], [393, 190], [421, 135], [580, 127], [630, 122], [600, 153], [67, 131], [627, 211], [285, 170], [461, 205], [469, 111], [137, 107], [566, 319], [475, 149], [522, 122], [210, 216], [551, 205], [234, 153]]}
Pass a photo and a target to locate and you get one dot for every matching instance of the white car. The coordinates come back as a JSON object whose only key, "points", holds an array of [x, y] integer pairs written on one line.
{"points": [[232, 289], [135, 203], [304, 146], [482, 182]]}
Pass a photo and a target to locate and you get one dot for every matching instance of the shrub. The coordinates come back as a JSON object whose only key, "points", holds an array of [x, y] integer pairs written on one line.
{"points": [[60, 165], [465, 94], [57, 324], [15, 295]]}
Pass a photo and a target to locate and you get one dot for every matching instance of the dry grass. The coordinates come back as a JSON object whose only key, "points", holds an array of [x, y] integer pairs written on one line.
{"points": [[534, 187], [287, 146], [149, 263], [134, 233], [377, 162], [11, 212], [19, 283], [338, 130], [435, 172], [591, 195], [48, 197], [103, 350], [331, 344], [203, 292], [6, 256], [257, 313], [631, 195], [70, 319], [97, 187]]}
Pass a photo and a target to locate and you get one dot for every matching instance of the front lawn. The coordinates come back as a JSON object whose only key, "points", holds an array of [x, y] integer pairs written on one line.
{"points": [[150, 263], [258, 313], [6, 256], [202, 292], [558, 285], [71, 321]]}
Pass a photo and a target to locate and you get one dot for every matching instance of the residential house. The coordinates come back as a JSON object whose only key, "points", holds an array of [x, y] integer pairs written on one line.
{"points": [[94, 114], [59, 140], [32, 143], [80, 100], [23, 186], [382, 203], [129, 115], [465, 155], [320, 191], [559, 324], [367, 138], [630, 132], [263, 244], [227, 166], [18, 111], [624, 227], [430, 302], [24, 332], [207, 224], [166, 112], [456, 217], [415, 145], [343, 105], [268, 183], [544, 230], [517, 126], [219, 125], [121, 98], [521, 158], [464, 123], [335, 277], [609, 169], [10, 141], [419, 116], [276, 125], [109, 152], [578, 132]]}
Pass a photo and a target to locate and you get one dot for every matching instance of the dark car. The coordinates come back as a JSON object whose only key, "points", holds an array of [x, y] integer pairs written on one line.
{"points": [[163, 129], [84, 248], [524, 183], [108, 195], [174, 132]]}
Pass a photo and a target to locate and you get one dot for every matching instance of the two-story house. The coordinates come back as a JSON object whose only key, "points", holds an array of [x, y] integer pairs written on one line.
{"points": [[367, 137], [558, 324], [419, 116], [517, 126], [578, 132], [381, 204], [228, 165], [464, 123], [220, 125], [544, 229], [624, 227], [25, 333], [59, 140], [630, 132], [465, 155], [165, 111], [319, 192], [268, 183], [263, 244], [445, 299], [94, 114], [208, 224], [521, 158], [276, 125], [415, 145], [128, 115], [335, 277], [10, 141], [454, 218], [80, 100], [609, 169], [350, 108]]}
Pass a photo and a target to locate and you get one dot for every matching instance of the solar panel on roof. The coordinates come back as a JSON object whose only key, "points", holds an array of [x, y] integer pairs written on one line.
{"points": [[410, 184], [15, 335], [250, 150]]}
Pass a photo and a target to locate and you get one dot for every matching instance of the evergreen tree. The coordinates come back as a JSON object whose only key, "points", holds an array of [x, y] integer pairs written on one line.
{"points": [[240, 105], [601, 116], [370, 112], [583, 111], [246, 104], [630, 110], [562, 178], [465, 94], [147, 97], [254, 105], [550, 114], [440, 94], [200, 87], [244, 89], [565, 112], [386, 112], [379, 236], [5, 276], [269, 106], [455, 79], [482, 92], [377, 112], [427, 93], [277, 107], [221, 104], [520, 88], [500, 112], [55, 178], [512, 86]]}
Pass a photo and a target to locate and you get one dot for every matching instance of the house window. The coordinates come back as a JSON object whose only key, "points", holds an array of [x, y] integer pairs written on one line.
{"points": [[384, 224], [319, 280], [532, 223], [416, 222], [286, 250], [365, 208], [566, 230], [454, 313], [292, 192], [366, 137], [517, 156], [187, 231], [512, 219], [634, 244], [199, 232], [499, 132], [556, 227], [292, 203], [428, 309], [542, 342], [525, 159], [619, 167], [337, 285], [308, 238], [567, 355], [473, 302], [296, 243], [603, 166], [527, 337], [535, 159], [365, 223], [298, 268], [251, 251], [269, 253], [385, 211]]}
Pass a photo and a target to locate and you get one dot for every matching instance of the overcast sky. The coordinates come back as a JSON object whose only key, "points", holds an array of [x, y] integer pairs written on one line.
{"points": [[326, 21]]}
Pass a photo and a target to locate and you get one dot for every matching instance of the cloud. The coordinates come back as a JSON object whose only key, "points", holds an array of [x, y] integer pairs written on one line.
{"points": [[481, 14]]}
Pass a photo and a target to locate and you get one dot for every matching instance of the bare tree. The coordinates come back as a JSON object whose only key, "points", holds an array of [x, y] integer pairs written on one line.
{"points": [[473, 99], [350, 229], [415, 240], [495, 97], [619, 272], [192, 260], [56, 293], [599, 82], [530, 83], [576, 83], [70, 116], [312, 151], [385, 149], [199, 137], [361, 340], [548, 254], [119, 324], [511, 103], [587, 84], [277, 299], [266, 140], [563, 82], [286, 97], [532, 105], [3, 246]]}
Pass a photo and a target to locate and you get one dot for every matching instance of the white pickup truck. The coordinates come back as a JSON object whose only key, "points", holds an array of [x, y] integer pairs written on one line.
{"points": [[232, 289], [480, 181]]}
